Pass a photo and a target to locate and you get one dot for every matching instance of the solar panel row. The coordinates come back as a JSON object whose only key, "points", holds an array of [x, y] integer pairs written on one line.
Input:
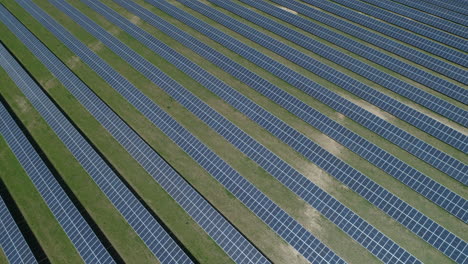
{"points": [[12, 241], [436, 11], [283, 224], [378, 76], [228, 238], [413, 145], [371, 238], [402, 212], [386, 80], [334, 210], [410, 13], [420, 120], [454, 6], [388, 44], [389, 163], [413, 26], [392, 31], [336, 164], [77, 229], [145, 225]]}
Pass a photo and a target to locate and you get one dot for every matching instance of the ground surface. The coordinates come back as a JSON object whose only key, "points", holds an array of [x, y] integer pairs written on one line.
{"points": [[54, 241]]}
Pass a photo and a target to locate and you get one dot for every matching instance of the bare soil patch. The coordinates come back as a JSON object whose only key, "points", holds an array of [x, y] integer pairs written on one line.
{"points": [[96, 46], [135, 20], [287, 10], [372, 108], [72, 62]]}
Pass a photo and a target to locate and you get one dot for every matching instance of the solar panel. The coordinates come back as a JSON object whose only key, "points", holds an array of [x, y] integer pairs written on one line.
{"points": [[420, 120], [261, 205], [449, 21], [407, 13], [412, 14], [386, 201], [12, 241], [374, 154], [230, 239], [413, 145], [224, 173], [413, 26], [77, 229], [388, 44], [358, 229], [436, 11], [386, 80], [152, 73], [453, 6], [139, 218], [392, 31]]}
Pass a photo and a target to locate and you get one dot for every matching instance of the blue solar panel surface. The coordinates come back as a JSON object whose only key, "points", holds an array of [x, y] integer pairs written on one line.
{"points": [[145, 225], [380, 198], [454, 6], [403, 112], [393, 31], [386, 80], [12, 241], [410, 13], [74, 225], [413, 26], [334, 210], [426, 186], [388, 44], [234, 244], [228, 238], [284, 225], [436, 11], [413, 145], [389, 203]]}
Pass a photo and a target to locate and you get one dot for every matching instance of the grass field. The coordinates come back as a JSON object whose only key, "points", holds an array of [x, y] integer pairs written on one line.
{"points": [[198, 243], [3, 258], [35, 210]]}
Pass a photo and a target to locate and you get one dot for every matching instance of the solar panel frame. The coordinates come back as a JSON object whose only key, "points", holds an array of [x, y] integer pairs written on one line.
{"points": [[149, 230]]}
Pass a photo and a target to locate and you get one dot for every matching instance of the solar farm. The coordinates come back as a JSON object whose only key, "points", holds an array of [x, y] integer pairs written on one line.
{"points": [[233, 131]]}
